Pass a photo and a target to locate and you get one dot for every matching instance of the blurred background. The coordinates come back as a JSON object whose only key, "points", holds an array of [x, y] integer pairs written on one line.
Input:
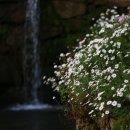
{"points": [[61, 23]]}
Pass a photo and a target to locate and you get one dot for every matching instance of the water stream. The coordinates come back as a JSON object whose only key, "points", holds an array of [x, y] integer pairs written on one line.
{"points": [[32, 76], [31, 61]]}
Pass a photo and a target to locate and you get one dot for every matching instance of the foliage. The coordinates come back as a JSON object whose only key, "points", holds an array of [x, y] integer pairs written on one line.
{"points": [[94, 80], [123, 123]]}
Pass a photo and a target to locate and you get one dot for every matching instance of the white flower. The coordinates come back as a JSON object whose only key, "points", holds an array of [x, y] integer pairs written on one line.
{"points": [[80, 67], [54, 97], [60, 82], [100, 108], [101, 55], [78, 55], [122, 89], [118, 105], [126, 81], [57, 89], [92, 71], [116, 66], [77, 94], [99, 98], [102, 14], [77, 62], [102, 115], [112, 88], [109, 69], [91, 112], [99, 94], [118, 44], [44, 77], [96, 108], [62, 55], [124, 86], [55, 66], [93, 18], [115, 7], [103, 50], [63, 65], [120, 94], [111, 42], [107, 112], [57, 73], [76, 83], [113, 51], [109, 102], [67, 54], [72, 99], [90, 104], [110, 51], [102, 31], [113, 75], [108, 78], [114, 95], [98, 52], [126, 55], [87, 35], [105, 57], [70, 71], [114, 103], [124, 71], [106, 62], [109, 26], [90, 83], [112, 70], [98, 73], [87, 95], [113, 58], [73, 91]]}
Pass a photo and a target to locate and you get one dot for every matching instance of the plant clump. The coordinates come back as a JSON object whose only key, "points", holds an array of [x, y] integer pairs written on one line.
{"points": [[94, 80]]}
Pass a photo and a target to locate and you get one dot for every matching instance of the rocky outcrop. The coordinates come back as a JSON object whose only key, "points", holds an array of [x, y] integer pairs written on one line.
{"points": [[69, 9], [12, 16]]}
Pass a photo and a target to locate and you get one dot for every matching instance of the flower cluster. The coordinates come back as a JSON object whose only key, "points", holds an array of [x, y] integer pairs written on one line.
{"points": [[96, 75]]}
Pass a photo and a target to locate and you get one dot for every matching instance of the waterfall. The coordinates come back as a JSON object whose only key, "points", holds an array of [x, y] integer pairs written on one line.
{"points": [[31, 66], [31, 62]]}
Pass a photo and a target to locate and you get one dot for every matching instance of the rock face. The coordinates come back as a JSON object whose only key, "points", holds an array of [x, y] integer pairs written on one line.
{"points": [[61, 23], [69, 9], [120, 3], [11, 40]]}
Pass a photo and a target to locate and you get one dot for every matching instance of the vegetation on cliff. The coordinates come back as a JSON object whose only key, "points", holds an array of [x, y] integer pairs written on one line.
{"points": [[94, 80]]}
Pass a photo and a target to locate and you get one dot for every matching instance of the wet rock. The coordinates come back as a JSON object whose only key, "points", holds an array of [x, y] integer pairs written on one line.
{"points": [[69, 9]]}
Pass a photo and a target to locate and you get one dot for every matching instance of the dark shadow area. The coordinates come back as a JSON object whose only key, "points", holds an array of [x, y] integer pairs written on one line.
{"points": [[34, 120]]}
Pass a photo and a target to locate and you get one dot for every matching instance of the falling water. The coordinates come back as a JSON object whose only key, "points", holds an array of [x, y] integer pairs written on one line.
{"points": [[32, 76], [31, 64]]}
